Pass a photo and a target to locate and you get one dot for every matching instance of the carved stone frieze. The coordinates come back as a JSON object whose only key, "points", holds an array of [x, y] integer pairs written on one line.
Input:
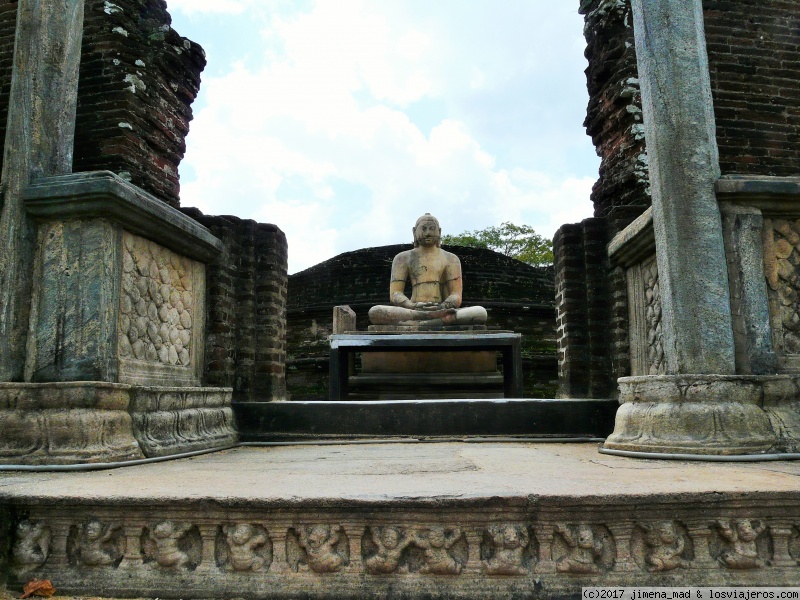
{"points": [[508, 549], [171, 545], [385, 548], [584, 549], [31, 544], [741, 543], [444, 549], [321, 548], [243, 547], [661, 546], [96, 544]]}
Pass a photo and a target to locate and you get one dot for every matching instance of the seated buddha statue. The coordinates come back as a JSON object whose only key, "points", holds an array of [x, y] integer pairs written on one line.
{"points": [[436, 284]]}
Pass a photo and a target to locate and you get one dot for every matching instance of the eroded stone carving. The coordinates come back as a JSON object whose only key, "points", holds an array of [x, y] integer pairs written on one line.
{"points": [[243, 547], [583, 548], [661, 546], [444, 549], [781, 258], [436, 285], [95, 544], [737, 543], [505, 550], [323, 548], [655, 338], [383, 548], [156, 303], [31, 545], [172, 545]]}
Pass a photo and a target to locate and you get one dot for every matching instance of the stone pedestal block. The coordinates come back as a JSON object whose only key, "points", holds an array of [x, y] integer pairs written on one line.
{"points": [[114, 355], [699, 414], [119, 292]]}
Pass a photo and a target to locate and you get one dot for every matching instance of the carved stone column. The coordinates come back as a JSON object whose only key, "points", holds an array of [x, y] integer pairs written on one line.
{"points": [[699, 405], [39, 142]]}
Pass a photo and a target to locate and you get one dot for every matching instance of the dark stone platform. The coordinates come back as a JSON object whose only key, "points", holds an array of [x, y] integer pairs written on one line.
{"points": [[273, 421]]}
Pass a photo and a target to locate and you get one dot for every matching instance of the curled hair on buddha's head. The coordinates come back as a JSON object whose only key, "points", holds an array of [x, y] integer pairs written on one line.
{"points": [[427, 217]]}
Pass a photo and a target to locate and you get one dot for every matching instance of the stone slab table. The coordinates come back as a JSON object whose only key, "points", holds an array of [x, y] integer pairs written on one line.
{"points": [[344, 345]]}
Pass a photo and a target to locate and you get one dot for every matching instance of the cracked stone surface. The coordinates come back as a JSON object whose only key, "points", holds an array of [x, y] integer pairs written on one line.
{"points": [[404, 471]]}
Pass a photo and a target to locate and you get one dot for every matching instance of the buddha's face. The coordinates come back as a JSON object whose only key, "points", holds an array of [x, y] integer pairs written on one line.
{"points": [[427, 232]]}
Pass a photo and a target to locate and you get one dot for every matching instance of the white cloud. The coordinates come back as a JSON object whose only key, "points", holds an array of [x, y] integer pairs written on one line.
{"points": [[234, 7], [356, 117]]}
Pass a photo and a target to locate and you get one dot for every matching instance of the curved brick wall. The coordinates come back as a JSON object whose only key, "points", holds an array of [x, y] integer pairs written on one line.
{"points": [[246, 308], [517, 297]]}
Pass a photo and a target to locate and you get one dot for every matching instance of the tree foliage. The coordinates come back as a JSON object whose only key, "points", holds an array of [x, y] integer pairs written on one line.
{"points": [[517, 241]]}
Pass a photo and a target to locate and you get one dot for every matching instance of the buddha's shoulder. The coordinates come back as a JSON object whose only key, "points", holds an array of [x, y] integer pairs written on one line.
{"points": [[403, 256]]}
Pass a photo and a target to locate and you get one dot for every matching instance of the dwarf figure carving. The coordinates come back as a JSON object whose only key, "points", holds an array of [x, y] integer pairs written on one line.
{"points": [[741, 534], [32, 545], [509, 543], [96, 545], [319, 543], [244, 542], [584, 550], [391, 543], [166, 537], [436, 542], [666, 544]]}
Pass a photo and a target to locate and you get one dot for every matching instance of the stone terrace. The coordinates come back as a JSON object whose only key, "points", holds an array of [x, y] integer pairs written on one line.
{"points": [[537, 490]]}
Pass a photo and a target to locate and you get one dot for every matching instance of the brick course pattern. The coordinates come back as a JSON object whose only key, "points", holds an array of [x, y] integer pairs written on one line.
{"points": [[246, 300], [583, 311], [754, 61], [138, 79], [614, 114], [517, 297]]}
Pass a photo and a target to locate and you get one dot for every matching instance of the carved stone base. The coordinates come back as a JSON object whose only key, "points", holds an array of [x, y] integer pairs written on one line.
{"points": [[695, 414], [91, 422], [172, 420], [474, 549]]}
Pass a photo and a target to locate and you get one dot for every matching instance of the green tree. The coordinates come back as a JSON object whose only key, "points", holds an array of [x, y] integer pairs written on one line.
{"points": [[517, 241]]}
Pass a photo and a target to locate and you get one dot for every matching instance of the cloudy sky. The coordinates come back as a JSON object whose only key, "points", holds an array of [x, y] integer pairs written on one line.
{"points": [[342, 121]]}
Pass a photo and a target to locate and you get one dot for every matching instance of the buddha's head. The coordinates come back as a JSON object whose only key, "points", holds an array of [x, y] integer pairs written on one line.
{"points": [[427, 231]]}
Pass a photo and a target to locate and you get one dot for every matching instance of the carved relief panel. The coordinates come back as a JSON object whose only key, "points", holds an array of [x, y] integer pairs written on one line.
{"points": [[781, 243], [644, 302], [160, 314]]}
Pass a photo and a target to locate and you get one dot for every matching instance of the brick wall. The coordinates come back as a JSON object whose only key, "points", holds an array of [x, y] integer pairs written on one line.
{"points": [[246, 309], [614, 114], [517, 297], [754, 58], [138, 79]]}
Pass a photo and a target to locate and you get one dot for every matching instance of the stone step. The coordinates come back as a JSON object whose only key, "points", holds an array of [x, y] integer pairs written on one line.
{"points": [[413, 520], [265, 421]]}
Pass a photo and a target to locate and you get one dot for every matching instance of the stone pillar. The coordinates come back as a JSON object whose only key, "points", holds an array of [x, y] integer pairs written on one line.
{"points": [[699, 406], [39, 142], [684, 166]]}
